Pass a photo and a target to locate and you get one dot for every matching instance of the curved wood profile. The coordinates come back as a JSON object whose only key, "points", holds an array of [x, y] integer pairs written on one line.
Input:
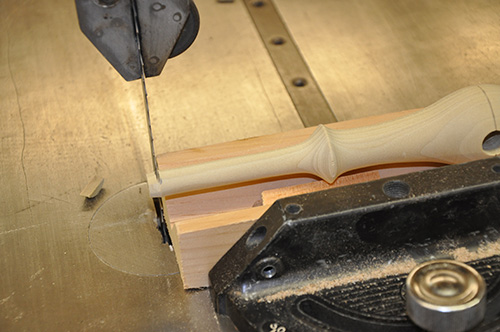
{"points": [[452, 130]]}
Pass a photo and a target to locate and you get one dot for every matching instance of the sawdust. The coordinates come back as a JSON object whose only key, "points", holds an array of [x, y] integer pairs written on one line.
{"points": [[361, 274], [403, 266], [485, 250]]}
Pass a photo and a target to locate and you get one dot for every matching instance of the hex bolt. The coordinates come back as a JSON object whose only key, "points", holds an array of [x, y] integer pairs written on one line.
{"points": [[445, 296]]}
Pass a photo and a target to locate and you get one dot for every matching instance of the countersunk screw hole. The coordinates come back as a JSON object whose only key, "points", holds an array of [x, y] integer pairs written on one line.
{"points": [[278, 41], [258, 3], [158, 6], [491, 143], [299, 82], [496, 168], [268, 271], [177, 17], [293, 208], [106, 3], [396, 189], [154, 60], [256, 237], [269, 267]]}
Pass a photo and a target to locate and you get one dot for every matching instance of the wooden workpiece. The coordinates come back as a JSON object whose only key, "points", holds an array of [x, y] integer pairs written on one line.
{"points": [[451, 130], [204, 224], [67, 115]]}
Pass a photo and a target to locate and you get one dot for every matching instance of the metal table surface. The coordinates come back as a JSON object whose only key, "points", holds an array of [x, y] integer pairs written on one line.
{"points": [[66, 116]]}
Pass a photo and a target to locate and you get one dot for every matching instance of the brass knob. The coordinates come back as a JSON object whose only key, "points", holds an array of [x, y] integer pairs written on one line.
{"points": [[445, 296]]}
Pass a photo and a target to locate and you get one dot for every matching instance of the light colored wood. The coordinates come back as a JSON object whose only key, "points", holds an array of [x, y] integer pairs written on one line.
{"points": [[93, 188], [201, 241], [205, 224], [229, 199], [262, 143], [204, 203], [67, 114], [451, 130]]}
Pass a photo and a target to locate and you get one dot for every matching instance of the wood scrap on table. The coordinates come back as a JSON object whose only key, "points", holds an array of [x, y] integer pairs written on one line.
{"points": [[93, 188]]}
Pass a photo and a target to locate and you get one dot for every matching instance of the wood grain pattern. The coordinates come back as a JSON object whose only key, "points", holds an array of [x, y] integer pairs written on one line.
{"points": [[205, 224], [201, 241], [451, 130], [66, 114], [272, 195], [257, 144]]}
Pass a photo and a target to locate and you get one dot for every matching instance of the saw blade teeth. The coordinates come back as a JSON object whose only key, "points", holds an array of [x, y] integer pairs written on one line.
{"points": [[144, 90]]}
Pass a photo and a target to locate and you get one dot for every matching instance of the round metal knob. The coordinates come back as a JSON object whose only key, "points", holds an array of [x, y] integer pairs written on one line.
{"points": [[445, 296]]}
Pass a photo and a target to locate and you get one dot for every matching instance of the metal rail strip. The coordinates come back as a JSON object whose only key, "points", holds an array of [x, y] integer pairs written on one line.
{"points": [[303, 89]]}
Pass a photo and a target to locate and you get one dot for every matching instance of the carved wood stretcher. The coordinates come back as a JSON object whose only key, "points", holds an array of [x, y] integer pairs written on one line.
{"points": [[249, 175]]}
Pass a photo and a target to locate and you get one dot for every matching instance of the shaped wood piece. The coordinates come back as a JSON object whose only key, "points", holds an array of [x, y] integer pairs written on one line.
{"points": [[451, 130], [205, 224]]}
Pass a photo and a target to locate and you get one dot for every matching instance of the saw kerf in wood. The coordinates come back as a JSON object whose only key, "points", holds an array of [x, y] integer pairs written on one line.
{"points": [[462, 126]]}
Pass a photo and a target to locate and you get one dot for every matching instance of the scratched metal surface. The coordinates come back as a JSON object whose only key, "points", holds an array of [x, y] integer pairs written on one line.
{"points": [[70, 264], [376, 56]]}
